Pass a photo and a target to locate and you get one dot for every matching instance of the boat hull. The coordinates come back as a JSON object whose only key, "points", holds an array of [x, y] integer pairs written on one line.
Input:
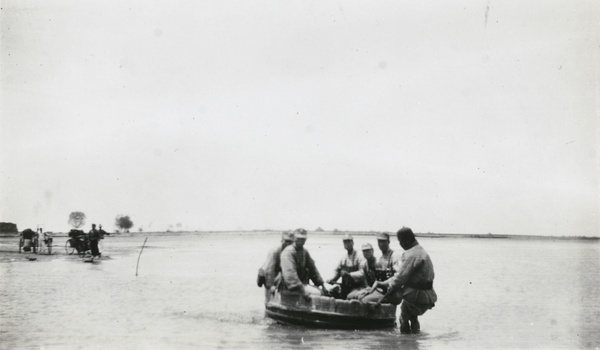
{"points": [[326, 312]]}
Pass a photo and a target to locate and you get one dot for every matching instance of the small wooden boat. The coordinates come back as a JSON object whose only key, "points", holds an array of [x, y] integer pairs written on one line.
{"points": [[327, 312]]}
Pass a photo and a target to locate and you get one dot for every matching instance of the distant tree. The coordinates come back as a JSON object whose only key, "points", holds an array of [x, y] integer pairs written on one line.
{"points": [[141, 229], [319, 229], [77, 219], [123, 222], [8, 227]]}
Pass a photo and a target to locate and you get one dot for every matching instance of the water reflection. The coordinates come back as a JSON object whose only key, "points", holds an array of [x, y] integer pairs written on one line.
{"points": [[292, 337]]}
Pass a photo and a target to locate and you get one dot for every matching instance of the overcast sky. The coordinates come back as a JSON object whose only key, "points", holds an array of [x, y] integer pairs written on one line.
{"points": [[462, 116]]}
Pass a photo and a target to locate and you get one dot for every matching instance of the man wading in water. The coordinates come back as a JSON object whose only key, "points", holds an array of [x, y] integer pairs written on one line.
{"points": [[414, 281]]}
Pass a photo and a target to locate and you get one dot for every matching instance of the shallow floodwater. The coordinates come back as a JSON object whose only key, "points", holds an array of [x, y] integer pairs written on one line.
{"points": [[199, 291]]}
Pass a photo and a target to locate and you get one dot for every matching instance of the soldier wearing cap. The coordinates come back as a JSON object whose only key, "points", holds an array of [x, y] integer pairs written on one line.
{"points": [[386, 267], [268, 273], [349, 269], [389, 262], [414, 281], [369, 265], [297, 267], [368, 269]]}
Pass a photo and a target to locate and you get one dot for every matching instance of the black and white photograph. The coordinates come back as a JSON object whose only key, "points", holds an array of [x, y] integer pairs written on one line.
{"points": [[299, 174]]}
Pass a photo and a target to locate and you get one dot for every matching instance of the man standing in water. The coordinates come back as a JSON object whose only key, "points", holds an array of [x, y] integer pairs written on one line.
{"points": [[272, 267], [349, 270], [414, 281], [297, 267]]}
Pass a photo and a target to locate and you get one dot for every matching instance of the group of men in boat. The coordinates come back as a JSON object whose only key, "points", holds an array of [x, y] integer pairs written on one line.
{"points": [[405, 280]]}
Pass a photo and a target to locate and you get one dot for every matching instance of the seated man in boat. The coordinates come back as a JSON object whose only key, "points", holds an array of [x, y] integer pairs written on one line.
{"points": [[297, 268], [272, 267], [349, 270], [386, 267], [369, 264], [368, 268], [414, 282]]}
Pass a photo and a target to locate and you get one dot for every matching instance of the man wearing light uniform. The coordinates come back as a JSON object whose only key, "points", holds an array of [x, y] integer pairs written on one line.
{"points": [[369, 265], [386, 267], [349, 270], [297, 267]]}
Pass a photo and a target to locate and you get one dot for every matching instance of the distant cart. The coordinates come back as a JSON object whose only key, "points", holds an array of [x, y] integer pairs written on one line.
{"points": [[78, 242], [36, 242], [28, 241], [327, 312]]}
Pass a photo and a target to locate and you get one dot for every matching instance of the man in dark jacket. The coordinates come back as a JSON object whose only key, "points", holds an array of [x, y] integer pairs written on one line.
{"points": [[94, 236]]}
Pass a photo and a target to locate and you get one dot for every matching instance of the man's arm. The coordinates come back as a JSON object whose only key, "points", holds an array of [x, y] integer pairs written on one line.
{"points": [[336, 274], [314, 274], [409, 264]]}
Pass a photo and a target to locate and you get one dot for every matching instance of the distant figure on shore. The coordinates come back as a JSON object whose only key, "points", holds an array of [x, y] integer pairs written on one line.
{"points": [[349, 270], [297, 267], [94, 235], [269, 273], [414, 281], [101, 234], [386, 267]]}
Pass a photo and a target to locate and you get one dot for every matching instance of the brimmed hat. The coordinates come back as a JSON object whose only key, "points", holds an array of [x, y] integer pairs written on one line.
{"points": [[383, 237], [347, 237], [367, 246], [300, 233], [287, 235]]}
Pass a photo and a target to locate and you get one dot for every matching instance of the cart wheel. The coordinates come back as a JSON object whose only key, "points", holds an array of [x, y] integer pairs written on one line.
{"points": [[70, 250], [20, 244]]}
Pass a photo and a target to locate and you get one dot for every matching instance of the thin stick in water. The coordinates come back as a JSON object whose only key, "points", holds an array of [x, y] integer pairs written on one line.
{"points": [[139, 256]]}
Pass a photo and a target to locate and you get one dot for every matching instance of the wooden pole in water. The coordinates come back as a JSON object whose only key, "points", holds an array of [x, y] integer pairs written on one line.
{"points": [[139, 256]]}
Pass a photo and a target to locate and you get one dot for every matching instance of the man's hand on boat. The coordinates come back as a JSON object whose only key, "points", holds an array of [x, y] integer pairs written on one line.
{"points": [[381, 286], [330, 288]]}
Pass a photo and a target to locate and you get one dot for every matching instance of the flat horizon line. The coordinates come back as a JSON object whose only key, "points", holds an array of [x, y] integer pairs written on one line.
{"points": [[358, 232]]}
